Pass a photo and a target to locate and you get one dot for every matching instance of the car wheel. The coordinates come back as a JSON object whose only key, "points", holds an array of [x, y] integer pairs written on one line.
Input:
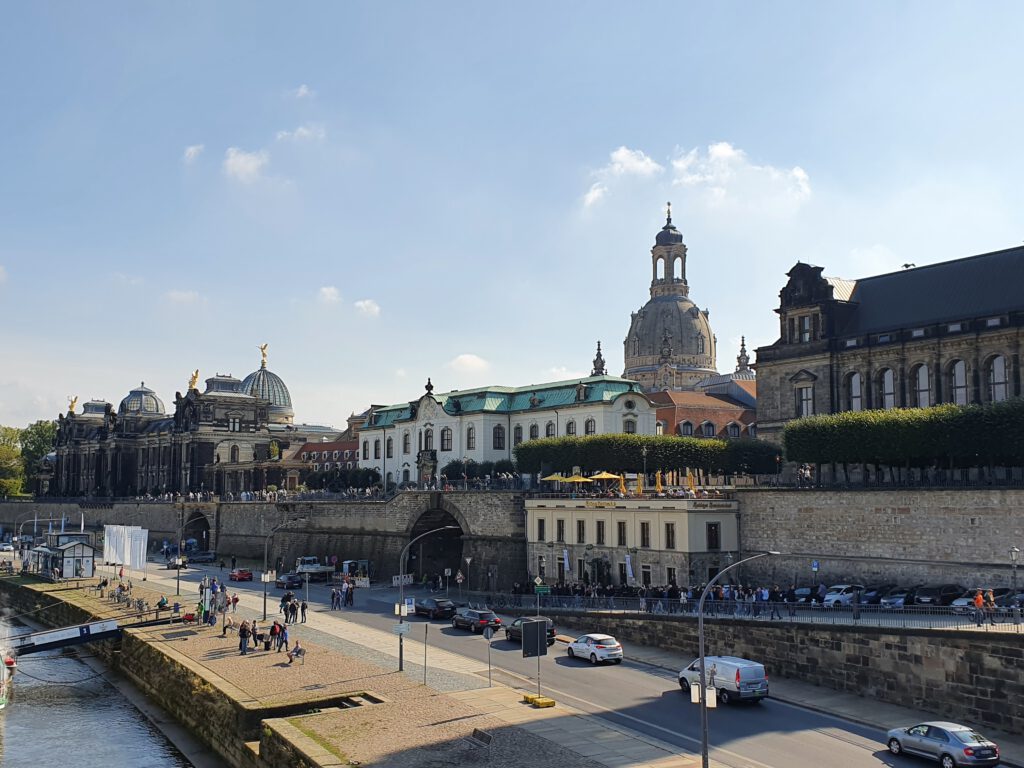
{"points": [[618, 661], [684, 685], [947, 761], [572, 655], [508, 635], [593, 658], [723, 696], [895, 747], [455, 624]]}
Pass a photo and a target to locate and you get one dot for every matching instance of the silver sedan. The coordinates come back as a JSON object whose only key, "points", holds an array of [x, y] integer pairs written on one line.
{"points": [[951, 744]]}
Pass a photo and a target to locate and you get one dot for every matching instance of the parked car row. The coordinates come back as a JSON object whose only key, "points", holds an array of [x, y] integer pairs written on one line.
{"points": [[896, 596]]}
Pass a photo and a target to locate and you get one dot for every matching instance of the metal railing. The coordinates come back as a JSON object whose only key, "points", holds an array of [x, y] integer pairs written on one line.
{"points": [[1002, 618]]}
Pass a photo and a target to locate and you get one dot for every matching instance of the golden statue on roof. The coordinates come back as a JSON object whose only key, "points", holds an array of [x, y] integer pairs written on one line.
{"points": [[263, 353], [193, 380], [72, 402]]}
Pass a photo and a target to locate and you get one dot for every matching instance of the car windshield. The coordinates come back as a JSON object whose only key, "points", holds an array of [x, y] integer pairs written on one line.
{"points": [[835, 590], [968, 736]]}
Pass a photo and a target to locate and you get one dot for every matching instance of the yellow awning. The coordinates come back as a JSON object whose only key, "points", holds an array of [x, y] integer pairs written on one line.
{"points": [[554, 478], [604, 476], [577, 479]]}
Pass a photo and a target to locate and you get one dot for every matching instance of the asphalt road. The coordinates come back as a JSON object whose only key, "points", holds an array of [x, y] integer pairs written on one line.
{"points": [[634, 695]]}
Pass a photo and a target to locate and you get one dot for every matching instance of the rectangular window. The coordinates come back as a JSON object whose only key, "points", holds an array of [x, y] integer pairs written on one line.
{"points": [[670, 535], [955, 327], [645, 535], [541, 533], [917, 333], [581, 569], [993, 322], [629, 427], [884, 338], [600, 533], [622, 574], [714, 536], [560, 530], [670, 575], [621, 528], [645, 575], [804, 401], [792, 330], [805, 329], [851, 342], [581, 531]]}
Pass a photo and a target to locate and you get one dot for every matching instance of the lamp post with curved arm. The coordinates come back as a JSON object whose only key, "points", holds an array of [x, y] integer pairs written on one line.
{"points": [[266, 545], [700, 649], [401, 588]]}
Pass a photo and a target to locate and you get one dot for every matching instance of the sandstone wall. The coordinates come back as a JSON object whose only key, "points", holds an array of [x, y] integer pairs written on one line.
{"points": [[904, 536]]}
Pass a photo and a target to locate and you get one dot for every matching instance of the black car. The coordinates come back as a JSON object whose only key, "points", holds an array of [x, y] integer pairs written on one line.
{"points": [[514, 631], [475, 620], [201, 557], [944, 594], [874, 595], [440, 608], [288, 581]]}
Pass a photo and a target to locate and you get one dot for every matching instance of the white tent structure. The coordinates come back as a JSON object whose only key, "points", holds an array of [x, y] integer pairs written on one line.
{"points": [[126, 545]]}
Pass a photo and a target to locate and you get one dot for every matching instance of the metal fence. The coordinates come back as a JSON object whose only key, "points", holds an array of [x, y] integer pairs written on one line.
{"points": [[1003, 619]]}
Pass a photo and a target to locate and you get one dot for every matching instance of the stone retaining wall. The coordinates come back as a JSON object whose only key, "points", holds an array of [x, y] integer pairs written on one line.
{"points": [[971, 677]]}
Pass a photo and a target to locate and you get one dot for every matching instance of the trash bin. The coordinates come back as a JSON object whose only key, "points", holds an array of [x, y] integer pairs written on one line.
{"points": [[177, 608]]}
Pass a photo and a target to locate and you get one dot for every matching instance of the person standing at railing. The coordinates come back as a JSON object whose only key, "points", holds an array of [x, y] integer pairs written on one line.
{"points": [[979, 607]]}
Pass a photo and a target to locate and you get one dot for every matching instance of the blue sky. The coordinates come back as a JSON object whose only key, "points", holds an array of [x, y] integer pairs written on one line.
{"points": [[386, 192]]}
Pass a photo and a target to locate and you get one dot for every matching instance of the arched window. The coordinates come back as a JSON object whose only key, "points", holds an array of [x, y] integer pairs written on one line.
{"points": [[957, 382], [376, 448], [405, 442], [499, 438], [686, 429], [854, 392], [405, 475], [389, 448], [996, 374], [732, 429], [887, 388], [629, 426], [234, 454], [636, 345], [470, 438], [700, 345], [570, 428], [366, 449], [517, 434], [659, 428], [707, 429], [922, 386], [428, 440], [446, 439], [752, 431], [590, 427], [549, 430], [534, 432]]}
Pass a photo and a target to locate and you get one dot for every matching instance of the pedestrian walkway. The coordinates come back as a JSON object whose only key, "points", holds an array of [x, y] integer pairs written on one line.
{"points": [[869, 712]]}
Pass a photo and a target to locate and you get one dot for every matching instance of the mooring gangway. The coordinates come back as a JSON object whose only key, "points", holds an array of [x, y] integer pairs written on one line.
{"points": [[49, 639]]}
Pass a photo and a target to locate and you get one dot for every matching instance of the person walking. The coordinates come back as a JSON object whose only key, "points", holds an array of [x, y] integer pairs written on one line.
{"points": [[351, 596], [282, 638], [774, 598], [234, 602], [303, 609]]}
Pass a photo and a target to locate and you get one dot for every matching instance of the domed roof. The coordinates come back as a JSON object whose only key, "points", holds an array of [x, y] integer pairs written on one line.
{"points": [[142, 401], [669, 235], [267, 385], [670, 330]]}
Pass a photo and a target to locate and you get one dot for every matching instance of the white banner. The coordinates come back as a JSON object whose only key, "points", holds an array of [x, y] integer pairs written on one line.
{"points": [[565, 558], [125, 545], [629, 569]]}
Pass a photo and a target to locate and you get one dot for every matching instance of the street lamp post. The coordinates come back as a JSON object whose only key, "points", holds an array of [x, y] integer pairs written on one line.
{"points": [[1014, 557], [266, 545], [700, 643], [643, 452], [401, 588]]}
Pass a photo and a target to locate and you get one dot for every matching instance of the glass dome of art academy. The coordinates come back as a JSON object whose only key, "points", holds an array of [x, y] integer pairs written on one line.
{"points": [[670, 344], [267, 385]]}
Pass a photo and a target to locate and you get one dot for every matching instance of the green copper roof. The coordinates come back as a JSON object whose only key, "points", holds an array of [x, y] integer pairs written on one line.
{"points": [[537, 397]]}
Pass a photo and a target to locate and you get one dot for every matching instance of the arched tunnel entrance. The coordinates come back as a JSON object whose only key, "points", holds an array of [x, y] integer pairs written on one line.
{"points": [[196, 528], [432, 554]]}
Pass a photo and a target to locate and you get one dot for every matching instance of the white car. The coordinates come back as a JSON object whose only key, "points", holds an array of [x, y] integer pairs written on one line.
{"points": [[6, 547], [596, 648], [841, 594]]}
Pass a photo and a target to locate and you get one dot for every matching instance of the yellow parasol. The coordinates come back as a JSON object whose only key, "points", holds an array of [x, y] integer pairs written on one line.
{"points": [[576, 479], [622, 484], [689, 481], [657, 481], [604, 476], [553, 478], [639, 485]]}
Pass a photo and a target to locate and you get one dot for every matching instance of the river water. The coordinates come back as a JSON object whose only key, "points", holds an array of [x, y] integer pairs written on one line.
{"points": [[63, 712]]}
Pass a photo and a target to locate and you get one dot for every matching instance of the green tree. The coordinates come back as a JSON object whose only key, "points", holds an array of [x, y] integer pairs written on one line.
{"points": [[12, 470], [36, 441]]}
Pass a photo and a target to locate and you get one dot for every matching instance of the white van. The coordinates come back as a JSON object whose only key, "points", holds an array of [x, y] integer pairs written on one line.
{"points": [[735, 679]]}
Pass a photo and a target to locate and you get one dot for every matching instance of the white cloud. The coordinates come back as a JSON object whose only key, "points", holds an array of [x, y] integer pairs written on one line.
{"points": [[328, 294], [303, 92], [468, 363], [192, 152], [307, 132], [245, 166], [124, 279], [183, 297], [594, 195], [3, 275], [726, 176], [368, 307], [631, 162]]}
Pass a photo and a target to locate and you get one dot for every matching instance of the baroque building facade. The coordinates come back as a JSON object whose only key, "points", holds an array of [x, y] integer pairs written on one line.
{"points": [[228, 438], [944, 333]]}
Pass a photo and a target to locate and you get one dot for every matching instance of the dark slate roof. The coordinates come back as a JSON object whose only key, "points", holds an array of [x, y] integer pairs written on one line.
{"points": [[988, 284]]}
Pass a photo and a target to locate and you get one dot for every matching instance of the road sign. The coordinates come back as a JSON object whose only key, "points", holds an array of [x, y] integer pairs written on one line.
{"points": [[401, 629], [538, 581], [459, 577], [447, 572], [535, 638], [542, 589], [488, 633], [815, 565]]}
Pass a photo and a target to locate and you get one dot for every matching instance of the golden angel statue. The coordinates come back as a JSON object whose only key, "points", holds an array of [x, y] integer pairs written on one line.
{"points": [[263, 353], [193, 380], [72, 402]]}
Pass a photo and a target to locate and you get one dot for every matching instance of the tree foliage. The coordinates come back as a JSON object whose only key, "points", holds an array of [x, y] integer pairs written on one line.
{"points": [[947, 435], [36, 441]]}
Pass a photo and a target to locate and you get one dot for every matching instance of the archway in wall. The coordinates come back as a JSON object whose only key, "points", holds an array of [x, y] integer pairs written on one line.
{"points": [[197, 527], [432, 554]]}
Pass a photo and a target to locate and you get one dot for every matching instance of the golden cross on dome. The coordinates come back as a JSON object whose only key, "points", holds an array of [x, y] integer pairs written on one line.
{"points": [[668, 211]]}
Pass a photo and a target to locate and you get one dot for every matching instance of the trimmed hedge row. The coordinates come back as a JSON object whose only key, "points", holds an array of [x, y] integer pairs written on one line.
{"points": [[624, 453], [947, 435]]}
